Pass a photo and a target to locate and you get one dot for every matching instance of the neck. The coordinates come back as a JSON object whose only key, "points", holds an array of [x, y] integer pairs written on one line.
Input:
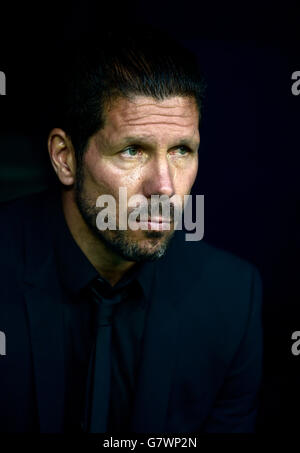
{"points": [[107, 263]]}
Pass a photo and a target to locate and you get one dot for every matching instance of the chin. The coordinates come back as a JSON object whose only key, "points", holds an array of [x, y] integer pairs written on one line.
{"points": [[150, 247]]}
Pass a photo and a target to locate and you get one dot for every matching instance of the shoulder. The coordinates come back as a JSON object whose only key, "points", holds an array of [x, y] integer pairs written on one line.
{"points": [[19, 219], [196, 258], [215, 289], [15, 214], [30, 203], [228, 283]]}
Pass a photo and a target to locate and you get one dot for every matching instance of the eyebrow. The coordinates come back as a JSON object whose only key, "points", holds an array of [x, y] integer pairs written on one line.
{"points": [[146, 140]]}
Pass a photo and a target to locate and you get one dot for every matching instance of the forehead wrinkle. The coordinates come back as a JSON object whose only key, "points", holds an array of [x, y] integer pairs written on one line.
{"points": [[185, 121], [150, 139], [123, 123], [132, 119], [163, 114], [155, 104], [160, 110], [167, 123], [128, 112], [127, 116], [167, 102], [137, 117]]}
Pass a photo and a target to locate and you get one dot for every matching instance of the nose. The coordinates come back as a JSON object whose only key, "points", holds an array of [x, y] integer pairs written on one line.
{"points": [[159, 178]]}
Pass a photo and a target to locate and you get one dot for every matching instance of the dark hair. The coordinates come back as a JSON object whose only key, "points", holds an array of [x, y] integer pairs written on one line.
{"points": [[135, 61]]}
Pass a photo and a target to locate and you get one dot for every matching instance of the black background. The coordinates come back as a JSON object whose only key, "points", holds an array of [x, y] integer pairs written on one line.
{"points": [[250, 144]]}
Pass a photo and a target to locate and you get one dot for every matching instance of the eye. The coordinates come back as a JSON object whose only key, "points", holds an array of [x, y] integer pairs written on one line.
{"points": [[131, 151], [183, 150]]}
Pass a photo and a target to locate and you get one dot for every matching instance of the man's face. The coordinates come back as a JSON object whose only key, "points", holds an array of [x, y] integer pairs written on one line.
{"points": [[149, 147]]}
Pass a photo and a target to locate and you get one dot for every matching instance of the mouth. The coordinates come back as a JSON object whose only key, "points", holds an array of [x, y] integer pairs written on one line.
{"points": [[157, 224]]}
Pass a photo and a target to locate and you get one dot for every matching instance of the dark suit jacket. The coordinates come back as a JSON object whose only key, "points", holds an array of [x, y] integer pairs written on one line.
{"points": [[202, 348]]}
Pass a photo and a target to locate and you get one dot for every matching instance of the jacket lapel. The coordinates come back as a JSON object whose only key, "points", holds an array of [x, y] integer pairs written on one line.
{"points": [[45, 316]]}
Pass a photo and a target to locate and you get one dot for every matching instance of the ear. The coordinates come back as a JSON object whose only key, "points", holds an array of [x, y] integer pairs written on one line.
{"points": [[62, 156]]}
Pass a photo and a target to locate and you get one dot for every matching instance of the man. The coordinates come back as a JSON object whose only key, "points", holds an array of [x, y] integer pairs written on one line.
{"points": [[180, 347]]}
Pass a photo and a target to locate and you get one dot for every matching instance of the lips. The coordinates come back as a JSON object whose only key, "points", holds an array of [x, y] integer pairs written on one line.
{"points": [[159, 224], [158, 220], [153, 223]]}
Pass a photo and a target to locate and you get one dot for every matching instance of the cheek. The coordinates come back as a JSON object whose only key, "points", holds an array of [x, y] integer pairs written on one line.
{"points": [[187, 179], [97, 179], [194, 173], [102, 177], [194, 170]]}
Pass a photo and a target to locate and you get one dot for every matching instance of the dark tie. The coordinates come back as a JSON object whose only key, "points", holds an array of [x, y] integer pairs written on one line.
{"points": [[99, 373]]}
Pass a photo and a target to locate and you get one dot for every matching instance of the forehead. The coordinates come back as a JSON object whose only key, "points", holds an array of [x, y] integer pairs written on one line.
{"points": [[176, 115]]}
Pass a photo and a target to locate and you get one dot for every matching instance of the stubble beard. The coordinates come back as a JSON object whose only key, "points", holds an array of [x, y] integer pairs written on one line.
{"points": [[119, 241]]}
